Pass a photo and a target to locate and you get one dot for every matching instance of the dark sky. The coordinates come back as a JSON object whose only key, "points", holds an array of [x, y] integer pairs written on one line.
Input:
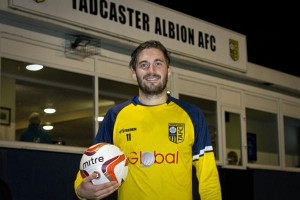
{"points": [[273, 38]]}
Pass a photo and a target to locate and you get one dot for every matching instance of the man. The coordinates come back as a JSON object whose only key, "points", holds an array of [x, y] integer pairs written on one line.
{"points": [[173, 132], [34, 133]]}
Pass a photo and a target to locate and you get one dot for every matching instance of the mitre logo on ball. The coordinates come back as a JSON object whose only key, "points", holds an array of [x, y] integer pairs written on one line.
{"points": [[107, 161]]}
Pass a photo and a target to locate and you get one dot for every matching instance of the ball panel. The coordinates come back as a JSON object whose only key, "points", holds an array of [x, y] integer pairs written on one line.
{"points": [[109, 168], [84, 173], [93, 149], [124, 171]]}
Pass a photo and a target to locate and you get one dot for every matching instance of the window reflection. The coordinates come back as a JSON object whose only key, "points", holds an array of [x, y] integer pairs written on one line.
{"points": [[71, 94], [112, 93], [265, 128]]}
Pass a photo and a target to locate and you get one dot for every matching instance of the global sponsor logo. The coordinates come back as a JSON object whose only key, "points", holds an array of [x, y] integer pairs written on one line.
{"points": [[147, 159]]}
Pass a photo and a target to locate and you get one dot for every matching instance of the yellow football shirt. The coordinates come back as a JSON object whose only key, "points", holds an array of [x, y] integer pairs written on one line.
{"points": [[162, 143]]}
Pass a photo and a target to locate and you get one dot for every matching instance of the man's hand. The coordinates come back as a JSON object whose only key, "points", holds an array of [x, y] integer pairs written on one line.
{"points": [[87, 190]]}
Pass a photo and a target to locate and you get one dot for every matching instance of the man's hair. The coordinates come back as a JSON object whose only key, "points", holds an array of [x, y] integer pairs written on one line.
{"points": [[34, 118], [147, 45]]}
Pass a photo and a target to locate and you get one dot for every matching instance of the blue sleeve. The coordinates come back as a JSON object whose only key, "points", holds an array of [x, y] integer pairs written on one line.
{"points": [[202, 141], [202, 138], [105, 132]]}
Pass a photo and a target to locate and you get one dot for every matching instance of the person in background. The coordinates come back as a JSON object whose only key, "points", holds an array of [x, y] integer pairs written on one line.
{"points": [[174, 132], [34, 133]]}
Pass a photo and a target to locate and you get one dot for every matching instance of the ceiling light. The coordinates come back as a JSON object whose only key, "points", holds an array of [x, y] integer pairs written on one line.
{"points": [[34, 67], [49, 110], [48, 126]]}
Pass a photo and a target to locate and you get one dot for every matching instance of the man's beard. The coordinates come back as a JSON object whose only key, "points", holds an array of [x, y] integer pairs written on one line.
{"points": [[152, 89]]}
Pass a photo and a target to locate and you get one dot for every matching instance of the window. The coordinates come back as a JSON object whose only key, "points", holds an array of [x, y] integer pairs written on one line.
{"points": [[71, 94], [233, 138], [292, 141], [262, 130], [112, 93]]}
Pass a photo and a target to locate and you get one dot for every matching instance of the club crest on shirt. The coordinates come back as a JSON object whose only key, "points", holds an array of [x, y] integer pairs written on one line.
{"points": [[176, 132]]}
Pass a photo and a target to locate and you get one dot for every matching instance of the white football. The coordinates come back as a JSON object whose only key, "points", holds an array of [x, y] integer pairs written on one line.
{"points": [[107, 161]]}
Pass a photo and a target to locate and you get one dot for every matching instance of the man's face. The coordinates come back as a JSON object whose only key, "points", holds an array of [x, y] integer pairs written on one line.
{"points": [[151, 71]]}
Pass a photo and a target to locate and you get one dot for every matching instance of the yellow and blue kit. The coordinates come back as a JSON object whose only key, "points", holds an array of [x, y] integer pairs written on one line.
{"points": [[175, 133]]}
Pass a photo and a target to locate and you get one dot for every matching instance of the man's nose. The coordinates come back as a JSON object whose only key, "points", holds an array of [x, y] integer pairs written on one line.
{"points": [[152, 67]]}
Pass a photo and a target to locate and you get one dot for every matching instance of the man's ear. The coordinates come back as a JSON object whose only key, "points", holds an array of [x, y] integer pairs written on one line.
{"points": [[133, 74], [169, 71]]}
